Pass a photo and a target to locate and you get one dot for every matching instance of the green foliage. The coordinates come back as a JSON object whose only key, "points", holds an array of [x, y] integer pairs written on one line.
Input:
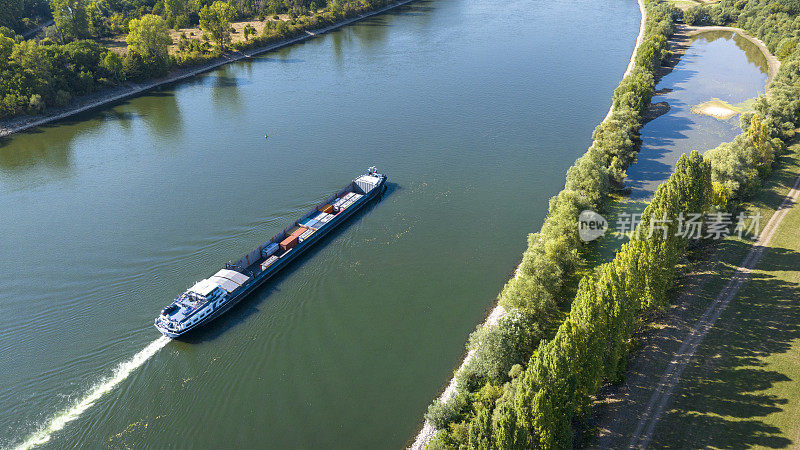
{"points": [[112, 64], [440, 414], [590, 344], [47, 70], [216, 19], [504, 428], [35, 75], [697, 15], [248, 31], [480, 431], [149, 38], [71, 18], [497, 349], [174, 9]]}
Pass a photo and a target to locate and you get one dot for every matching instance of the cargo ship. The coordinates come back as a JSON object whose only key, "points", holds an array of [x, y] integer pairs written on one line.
{"points": [[211, 297]]}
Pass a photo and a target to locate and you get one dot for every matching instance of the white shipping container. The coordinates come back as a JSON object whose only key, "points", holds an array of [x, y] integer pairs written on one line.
{"points": [[270, 261], [367, 182], [305, 235]]}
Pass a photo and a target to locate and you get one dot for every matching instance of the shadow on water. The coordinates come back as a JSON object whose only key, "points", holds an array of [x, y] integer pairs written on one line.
{"points": [[728, 389], [51, 144], [249, 305], [753, 53], [271, 59], [221, 79], [417, 8], [659, 141]]}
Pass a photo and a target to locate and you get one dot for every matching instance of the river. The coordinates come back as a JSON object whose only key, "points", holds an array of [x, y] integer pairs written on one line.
{"points": [[474, 109]]}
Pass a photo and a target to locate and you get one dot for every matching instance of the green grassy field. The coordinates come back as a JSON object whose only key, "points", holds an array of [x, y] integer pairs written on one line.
{"points": [[686, 4], [742, 389]]}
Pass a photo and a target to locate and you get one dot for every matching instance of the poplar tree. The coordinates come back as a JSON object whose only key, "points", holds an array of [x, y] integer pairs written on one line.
{"points": [[480, 431]]}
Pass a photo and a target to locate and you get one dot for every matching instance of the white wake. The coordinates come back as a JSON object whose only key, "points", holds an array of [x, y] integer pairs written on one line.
{"points": [[66, 416]]}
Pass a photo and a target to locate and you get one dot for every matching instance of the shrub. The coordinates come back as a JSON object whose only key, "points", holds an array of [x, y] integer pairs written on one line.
{"points": [[440, 413], [36, 104], [62, 97]]}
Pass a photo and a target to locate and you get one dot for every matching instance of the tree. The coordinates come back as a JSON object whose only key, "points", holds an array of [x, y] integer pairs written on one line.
{"points": [[112, 63], [498, 348], [149, 38], [216, 19], [759, 139], [174, 8], [480, 431], [71, 18], [441, 413], [248, 31], [505, 426]]}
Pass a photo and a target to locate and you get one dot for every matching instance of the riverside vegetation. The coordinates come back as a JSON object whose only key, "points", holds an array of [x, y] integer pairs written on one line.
{"points": [[569, 326], [70, 61]]}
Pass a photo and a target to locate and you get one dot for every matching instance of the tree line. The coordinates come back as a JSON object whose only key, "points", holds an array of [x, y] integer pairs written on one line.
{"points": [[537, 370], [69, 62]]}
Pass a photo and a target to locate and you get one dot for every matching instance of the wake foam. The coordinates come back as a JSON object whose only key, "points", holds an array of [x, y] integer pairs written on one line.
{"points": [[121, 372]]}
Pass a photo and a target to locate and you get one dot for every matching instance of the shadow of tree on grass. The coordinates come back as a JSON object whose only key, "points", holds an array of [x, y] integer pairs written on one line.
{"points": [[728, 389]]}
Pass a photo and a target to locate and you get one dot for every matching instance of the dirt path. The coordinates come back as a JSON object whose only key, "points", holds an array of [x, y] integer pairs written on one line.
{"points": [[666, 385], [112, 95], [684, 328], [636, 408]]}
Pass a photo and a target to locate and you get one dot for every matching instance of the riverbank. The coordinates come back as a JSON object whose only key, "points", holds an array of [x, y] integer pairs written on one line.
{"points": [[116, 94], [427, 432]]}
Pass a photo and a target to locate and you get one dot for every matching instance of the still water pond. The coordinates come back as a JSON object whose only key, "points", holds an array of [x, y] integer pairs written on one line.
{"points": [[473, 108], [717, 65]]}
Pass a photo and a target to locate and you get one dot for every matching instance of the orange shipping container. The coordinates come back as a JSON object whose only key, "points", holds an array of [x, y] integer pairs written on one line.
{"points": [[327, 209], [289, 242]]}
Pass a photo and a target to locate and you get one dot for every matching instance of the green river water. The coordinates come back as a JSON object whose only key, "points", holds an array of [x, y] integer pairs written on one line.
{"points": [[474, 110]]}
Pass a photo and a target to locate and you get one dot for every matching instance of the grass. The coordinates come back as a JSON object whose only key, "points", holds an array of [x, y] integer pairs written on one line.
{"points": [[741, 389], [686, 4]]}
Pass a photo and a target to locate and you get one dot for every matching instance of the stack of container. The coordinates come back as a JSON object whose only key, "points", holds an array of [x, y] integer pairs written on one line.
{"points": [[305, 235], [311, 222], [270, 250], [346, 200], [271, 260], [326, 209], [292, 239], [322, 219]]}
